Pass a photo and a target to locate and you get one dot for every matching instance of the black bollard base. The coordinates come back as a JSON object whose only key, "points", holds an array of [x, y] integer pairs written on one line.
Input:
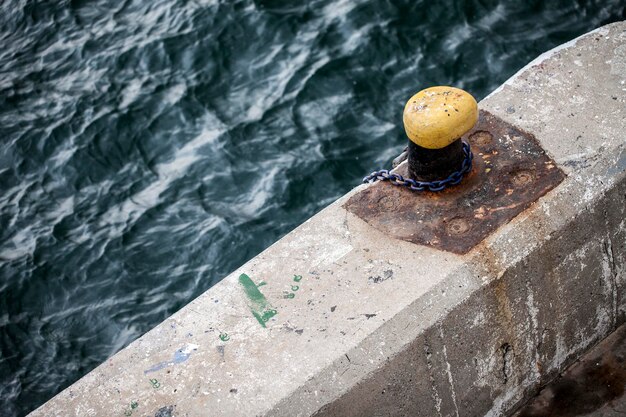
{"points": [[435, 164]]}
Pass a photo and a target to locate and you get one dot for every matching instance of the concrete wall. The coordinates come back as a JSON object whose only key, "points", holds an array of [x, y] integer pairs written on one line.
{"points": [[337, 319]]}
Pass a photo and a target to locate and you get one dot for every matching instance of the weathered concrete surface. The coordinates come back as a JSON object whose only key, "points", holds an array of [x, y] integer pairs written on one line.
{"points": [[380, 327]]}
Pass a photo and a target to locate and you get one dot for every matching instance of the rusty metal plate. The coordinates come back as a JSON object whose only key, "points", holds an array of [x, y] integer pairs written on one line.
{"points": [[510, 172]]}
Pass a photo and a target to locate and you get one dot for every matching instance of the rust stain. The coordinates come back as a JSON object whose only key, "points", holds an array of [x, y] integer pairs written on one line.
{"points": [[510, 172]]}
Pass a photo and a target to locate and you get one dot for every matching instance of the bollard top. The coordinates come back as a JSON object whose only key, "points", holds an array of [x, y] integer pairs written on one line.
{"points": [[437, 116]]}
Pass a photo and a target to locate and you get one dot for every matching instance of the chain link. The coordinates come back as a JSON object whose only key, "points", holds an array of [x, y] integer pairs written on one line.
{"points": [[453, 179]]}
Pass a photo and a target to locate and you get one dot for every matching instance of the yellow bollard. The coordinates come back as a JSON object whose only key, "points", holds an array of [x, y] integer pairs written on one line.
{"points": [[434, 120]]}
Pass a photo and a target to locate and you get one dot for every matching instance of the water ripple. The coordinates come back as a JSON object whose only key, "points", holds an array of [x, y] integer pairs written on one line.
{"points": [[149, 148]]}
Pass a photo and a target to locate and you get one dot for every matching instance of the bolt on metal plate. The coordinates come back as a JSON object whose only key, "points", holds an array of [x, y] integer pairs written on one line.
{"points": [[509, 173]]}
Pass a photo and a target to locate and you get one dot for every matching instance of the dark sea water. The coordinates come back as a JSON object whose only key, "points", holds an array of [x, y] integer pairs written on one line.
{"points": [[150, 147]]}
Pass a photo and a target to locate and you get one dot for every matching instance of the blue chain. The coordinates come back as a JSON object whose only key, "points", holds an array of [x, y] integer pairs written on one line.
{"points": [[453, 179]]}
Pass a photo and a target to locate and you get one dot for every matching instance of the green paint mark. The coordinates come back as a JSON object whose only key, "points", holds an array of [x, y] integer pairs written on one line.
{"points": [[259, 306], [294, 288], [224, 337], [133, 405], [297, 278], [155, 383], [289, 295], [260, 284], [264, 316]]}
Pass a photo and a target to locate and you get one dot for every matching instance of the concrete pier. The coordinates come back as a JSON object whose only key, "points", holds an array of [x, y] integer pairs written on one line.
{"points": [[339, 319]]}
